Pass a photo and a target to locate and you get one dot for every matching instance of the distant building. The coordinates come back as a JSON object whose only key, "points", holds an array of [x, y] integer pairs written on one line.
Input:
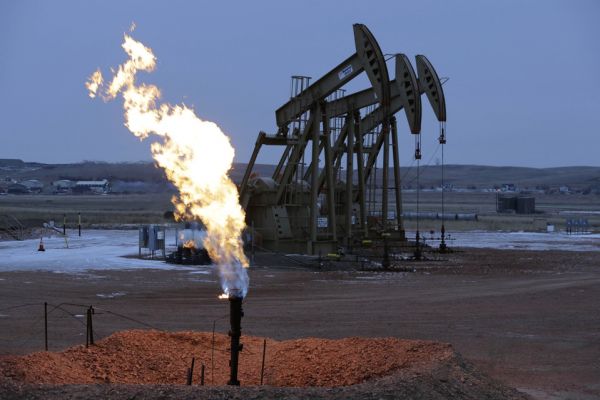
{"points": [[564, 189], [33, 185], [508, 187], [97, 187], [63, 186], [17, 188]]}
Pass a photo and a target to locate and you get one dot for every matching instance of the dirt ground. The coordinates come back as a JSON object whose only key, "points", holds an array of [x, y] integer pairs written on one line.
{"points": [[529, 319]]}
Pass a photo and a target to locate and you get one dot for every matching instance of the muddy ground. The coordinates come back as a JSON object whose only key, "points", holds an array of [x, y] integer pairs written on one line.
{"points": [[529, 319]]}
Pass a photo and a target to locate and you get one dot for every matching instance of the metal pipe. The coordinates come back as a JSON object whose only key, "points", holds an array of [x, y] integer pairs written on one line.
{"points": [[244, 184], [290, 168], [282, 160], [397, 178], [330, 177], [46, 325], [386, 252], [386, 166], [361, 175], [314, 190], [349, 183], [235, 318]]}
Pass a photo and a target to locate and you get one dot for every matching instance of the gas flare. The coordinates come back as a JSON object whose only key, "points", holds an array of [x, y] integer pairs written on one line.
{"points": [[190, 244], [195, 154], [94, 83]]}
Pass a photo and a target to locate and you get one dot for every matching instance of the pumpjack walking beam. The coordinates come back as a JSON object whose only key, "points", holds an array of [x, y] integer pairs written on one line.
{"points": [[430, 86], [368, 58], [405, 95]]}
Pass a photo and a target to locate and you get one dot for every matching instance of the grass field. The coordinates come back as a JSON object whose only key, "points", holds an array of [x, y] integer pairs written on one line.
{"points": [[34, 210], [114, 210], [551, 209]]}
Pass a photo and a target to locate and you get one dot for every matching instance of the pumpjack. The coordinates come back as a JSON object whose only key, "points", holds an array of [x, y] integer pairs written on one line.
{"points": [[312, 208]]}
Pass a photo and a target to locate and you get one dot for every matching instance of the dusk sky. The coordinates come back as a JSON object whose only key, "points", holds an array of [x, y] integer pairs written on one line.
{"points": [[523, 89]]}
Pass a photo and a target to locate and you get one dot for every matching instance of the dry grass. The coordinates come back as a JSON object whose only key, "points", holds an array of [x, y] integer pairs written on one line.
{"points": [[112, 210], [33, 210]]}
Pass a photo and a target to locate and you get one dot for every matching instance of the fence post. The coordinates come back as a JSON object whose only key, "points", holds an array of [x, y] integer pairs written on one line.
{"points": [[262, 368], [202, 375], [91, 311], [46, 326], [89, 334], [87, 328], [190, 372]]}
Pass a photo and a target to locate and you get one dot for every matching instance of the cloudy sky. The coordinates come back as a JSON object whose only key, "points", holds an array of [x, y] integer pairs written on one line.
{"points": [[523, 90]]}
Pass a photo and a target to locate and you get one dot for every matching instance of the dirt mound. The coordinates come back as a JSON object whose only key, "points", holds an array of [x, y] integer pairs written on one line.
{"points": [[151, 357], [148, 357]]}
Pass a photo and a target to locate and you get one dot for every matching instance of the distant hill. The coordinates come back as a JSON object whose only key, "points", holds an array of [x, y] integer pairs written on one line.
{"points": [[488, 176], [478, 176]]}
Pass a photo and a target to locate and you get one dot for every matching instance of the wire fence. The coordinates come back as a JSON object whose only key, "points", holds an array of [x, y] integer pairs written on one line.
{"points": [[38, 328]]}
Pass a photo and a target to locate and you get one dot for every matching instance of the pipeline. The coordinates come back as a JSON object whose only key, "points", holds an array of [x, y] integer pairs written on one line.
{"points": [[444, 216]]}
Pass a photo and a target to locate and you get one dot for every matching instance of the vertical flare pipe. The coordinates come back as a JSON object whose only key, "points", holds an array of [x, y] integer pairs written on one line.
{"points": [[235, 317]]}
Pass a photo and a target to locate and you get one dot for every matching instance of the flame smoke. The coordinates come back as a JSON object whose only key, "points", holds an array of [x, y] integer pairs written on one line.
{"points": [[196, 156]]}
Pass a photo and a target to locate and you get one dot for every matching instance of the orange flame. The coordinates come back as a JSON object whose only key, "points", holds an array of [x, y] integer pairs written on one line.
{"points": [[196, 156], [94, 83], [190, 244]]}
